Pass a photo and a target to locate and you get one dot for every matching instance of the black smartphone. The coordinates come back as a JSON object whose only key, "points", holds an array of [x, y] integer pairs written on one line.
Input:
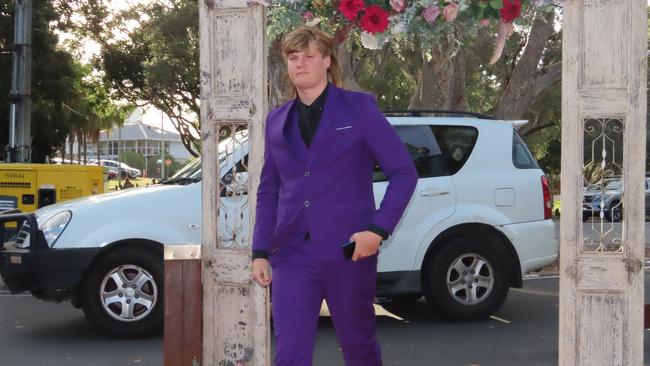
{"points": [[348, 249]]}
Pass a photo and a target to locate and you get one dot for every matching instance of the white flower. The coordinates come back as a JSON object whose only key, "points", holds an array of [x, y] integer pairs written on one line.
{"points": [[372, 42], [463, 4], [313, 22], [397, 24]]}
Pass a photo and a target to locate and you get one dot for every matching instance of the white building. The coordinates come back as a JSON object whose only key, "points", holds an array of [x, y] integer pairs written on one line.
{"points": [[140, 138]]}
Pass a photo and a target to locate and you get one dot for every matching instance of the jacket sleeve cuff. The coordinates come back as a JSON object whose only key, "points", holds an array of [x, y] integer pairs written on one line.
{"points": [[260, 254], [379, 231]]}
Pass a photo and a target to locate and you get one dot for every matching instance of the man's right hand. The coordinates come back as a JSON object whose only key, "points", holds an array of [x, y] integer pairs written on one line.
{"points": [[262, 271]]}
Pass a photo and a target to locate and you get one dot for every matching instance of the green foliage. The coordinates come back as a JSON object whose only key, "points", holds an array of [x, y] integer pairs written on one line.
{"points": [[383, 74], [52, 75], [153, 166], [67, 97], [156, 63]]}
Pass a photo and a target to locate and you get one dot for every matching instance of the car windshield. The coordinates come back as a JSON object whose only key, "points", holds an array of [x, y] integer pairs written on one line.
{"points": [[614, 185], [191, 173]]}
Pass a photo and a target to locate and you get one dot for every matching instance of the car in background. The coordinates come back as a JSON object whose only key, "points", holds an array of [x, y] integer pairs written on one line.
{"points": [[480, 217], [127, 171], [608, 200]]}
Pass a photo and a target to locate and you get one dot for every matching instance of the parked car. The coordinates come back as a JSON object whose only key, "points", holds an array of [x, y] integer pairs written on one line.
{"points": [[126, 170], [479, 219], [609, 200]]}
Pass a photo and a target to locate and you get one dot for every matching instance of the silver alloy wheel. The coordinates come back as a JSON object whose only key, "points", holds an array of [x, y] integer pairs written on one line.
{"points": [[470, 279], [128, 293]]}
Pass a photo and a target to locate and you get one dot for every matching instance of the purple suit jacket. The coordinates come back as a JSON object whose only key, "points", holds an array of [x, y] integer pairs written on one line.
{"points": [[326, 189]]}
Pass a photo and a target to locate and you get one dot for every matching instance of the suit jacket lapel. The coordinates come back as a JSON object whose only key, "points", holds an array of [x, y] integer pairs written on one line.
{"points": [[289, 133]]}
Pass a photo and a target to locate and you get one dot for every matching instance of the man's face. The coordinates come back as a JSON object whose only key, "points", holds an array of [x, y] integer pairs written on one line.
{"points": [[308, 68]]}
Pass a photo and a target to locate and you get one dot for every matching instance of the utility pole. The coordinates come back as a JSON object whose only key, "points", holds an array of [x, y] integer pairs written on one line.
{"points": [[162, 146], [20, 117]]}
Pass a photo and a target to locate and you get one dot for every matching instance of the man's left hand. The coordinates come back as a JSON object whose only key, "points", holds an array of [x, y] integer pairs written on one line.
{"points": [[367, 244]]}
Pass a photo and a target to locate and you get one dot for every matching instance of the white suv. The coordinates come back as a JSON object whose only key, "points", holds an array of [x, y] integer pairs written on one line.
{"points": [[479, 219]]}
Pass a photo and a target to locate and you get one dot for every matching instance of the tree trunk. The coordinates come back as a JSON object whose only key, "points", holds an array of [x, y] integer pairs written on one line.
{"points": [[79, 142], [441, 83], [348, 62], [99, 148], [85, 138], [528, 81], [278, 91], [72, 138]]}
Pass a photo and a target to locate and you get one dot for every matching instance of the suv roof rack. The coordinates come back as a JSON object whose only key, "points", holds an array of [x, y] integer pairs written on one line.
{"points": [[420, 112]]}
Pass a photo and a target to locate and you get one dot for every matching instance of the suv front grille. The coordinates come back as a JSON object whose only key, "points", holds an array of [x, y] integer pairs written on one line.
{"points": [[22, 238], [7, 203]]}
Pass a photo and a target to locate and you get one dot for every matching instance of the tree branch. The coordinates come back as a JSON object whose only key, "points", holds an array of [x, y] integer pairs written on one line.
{"points": [[548, 76]]}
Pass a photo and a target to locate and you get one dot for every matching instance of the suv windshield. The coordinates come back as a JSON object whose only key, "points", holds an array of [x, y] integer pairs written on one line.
{"points": [[190, 173], [614, 185]]}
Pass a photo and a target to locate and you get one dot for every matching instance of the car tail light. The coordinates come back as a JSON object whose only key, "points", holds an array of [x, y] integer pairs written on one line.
{"points": [[548, 203]]}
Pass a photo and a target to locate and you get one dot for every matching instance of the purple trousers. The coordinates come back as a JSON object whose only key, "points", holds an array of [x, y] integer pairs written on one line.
{"points": [[300, 283]]}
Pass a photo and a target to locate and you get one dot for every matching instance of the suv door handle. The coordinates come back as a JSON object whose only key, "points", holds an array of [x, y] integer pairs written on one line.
{"points": [[434, 191]]}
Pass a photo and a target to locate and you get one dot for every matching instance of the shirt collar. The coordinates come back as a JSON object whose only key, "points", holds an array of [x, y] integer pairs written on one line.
{"points": [[318, 103]]}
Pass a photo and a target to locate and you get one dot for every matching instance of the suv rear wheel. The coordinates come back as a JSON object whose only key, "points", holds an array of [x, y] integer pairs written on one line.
{"points": [[122, 295], [468, 279]]}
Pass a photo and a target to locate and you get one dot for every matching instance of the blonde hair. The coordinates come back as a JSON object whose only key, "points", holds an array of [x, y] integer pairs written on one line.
{"points": [[299, 40]]}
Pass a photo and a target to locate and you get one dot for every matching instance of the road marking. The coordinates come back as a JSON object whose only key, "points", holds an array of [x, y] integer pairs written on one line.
{"points": [[500, 319], [9, 295], [538, 277]]}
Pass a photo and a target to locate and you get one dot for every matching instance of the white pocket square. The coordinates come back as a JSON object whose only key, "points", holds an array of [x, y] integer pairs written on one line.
{"points": [[343, 128]]}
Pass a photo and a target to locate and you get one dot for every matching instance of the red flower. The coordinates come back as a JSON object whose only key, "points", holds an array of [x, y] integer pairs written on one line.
{"points": [[350, 8], [374, 20], [510, 11]]}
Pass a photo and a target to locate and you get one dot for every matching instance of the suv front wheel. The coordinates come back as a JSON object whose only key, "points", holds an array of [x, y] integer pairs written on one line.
{"points": [[468, 278], [122, 295]]}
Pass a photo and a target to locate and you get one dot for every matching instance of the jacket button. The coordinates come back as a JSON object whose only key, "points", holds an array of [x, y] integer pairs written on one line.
{"points": [[307, 173], [306, 203]]}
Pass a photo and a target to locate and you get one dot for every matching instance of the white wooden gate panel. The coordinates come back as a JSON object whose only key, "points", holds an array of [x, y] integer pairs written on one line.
{"points": [[233, 99], [603, 136]]}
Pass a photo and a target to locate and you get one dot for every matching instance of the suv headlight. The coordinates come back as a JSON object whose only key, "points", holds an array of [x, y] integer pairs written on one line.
{"points": [[53, 226]]}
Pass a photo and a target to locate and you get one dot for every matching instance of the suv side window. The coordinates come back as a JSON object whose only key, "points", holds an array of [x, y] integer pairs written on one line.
{"points": [[436, 150], [456, 143], [521, 156]]}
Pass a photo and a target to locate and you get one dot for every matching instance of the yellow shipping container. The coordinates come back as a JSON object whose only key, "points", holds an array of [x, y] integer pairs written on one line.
{"points": [[32, 186]]}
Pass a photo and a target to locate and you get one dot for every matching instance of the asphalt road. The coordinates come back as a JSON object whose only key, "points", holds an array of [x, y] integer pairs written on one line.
{"points": [[524, 332]]}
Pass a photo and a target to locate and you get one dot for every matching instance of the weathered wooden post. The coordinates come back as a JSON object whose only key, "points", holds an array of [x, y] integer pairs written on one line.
{"points": [[603, 135], [233, 99], [182, 341]]}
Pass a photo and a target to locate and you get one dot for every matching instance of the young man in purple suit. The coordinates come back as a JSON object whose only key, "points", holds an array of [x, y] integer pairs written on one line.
{"points": [[315, 194]]}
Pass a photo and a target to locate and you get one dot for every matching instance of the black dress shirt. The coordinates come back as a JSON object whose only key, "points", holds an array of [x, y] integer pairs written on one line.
{"points": [[309, 118]]}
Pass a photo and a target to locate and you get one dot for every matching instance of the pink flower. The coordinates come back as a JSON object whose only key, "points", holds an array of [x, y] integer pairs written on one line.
{"points": [[351, 8], [451, 12], [431, 13], [484, 22], [307, 16], [398, 5]]}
